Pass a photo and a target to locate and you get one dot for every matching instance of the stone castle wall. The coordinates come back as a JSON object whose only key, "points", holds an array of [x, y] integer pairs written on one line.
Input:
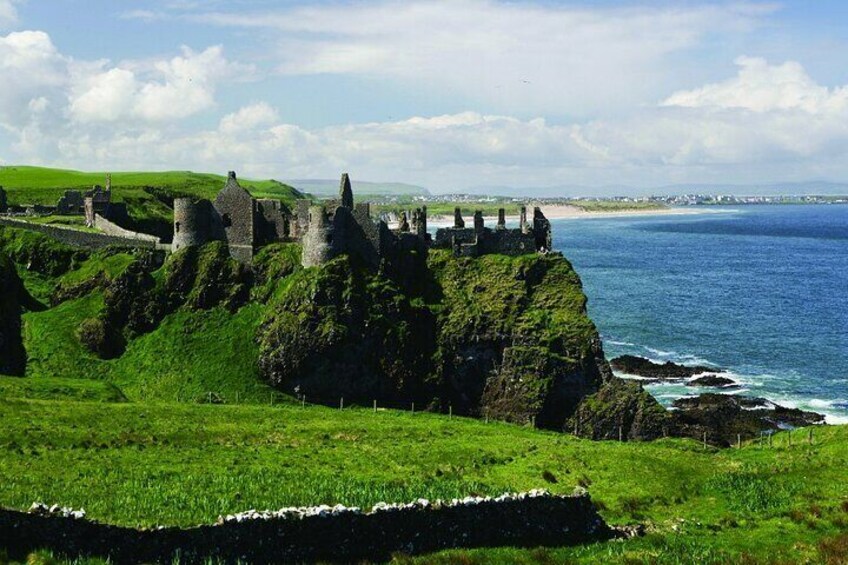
{"points": [[79, 238]]}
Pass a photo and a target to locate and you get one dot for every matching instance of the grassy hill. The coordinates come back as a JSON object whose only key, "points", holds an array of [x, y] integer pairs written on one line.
{"points": [[148, 194]]}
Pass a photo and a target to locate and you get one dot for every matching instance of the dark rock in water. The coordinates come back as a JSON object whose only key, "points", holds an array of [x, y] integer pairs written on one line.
{"points": [[724, 416], [667, 371], [621, 406], [713, 381]]}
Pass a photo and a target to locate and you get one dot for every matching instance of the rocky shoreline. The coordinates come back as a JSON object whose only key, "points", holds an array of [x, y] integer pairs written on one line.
{"points": [[721, 418]]}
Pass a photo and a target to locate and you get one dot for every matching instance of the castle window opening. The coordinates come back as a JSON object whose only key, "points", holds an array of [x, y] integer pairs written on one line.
{"points": [[177, 227], [226, 220]]}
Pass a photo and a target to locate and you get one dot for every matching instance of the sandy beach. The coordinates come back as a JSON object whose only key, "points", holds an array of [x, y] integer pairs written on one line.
{"points": [[566, 212]]}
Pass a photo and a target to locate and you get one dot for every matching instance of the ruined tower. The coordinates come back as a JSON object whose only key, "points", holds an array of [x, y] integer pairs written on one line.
{"points": [[317, 243], [192, 222], [501, 219], [345, 192]]}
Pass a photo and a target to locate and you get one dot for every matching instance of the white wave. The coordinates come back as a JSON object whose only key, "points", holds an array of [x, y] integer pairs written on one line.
{"points": [[621, 343], [660, 352]]}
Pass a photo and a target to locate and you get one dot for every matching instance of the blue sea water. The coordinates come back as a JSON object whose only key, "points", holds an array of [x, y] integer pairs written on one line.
{"points": [[761, 291]]}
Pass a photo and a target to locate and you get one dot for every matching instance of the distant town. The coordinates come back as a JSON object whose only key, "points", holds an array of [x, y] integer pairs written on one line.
{"points": [[616, 201]]}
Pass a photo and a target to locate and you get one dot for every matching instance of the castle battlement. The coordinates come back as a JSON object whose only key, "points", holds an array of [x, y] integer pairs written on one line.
{"points": [[341, 226]]}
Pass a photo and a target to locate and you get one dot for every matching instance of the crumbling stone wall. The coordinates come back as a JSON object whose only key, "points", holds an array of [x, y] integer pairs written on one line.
{"points": [[71, 203], [480, 240], [325, 533], [274, 224]]}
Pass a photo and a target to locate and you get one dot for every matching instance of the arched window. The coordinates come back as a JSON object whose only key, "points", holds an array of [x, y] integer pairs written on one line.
{"points": [[226, 220], [177, 227]]}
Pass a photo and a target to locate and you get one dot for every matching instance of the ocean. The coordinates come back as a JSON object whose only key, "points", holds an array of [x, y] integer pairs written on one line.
{"points": [[761, 291]]}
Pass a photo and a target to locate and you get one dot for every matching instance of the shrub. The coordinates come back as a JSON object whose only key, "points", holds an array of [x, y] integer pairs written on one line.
{"points": [[101, 338]]}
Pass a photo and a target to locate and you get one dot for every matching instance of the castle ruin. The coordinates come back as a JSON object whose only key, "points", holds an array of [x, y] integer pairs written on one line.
{"points": [[342, 226], [91, 203]]}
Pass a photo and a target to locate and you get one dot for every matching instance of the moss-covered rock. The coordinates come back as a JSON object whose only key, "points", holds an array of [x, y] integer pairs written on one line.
{"points": [[342, 331], [12, 353], [101, 338], [508, 336], [621, 407], [204, 277], [40, 253]]}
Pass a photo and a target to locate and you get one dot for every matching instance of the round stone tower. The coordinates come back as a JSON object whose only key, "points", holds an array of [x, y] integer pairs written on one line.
{"points": [[318, 240], [192, 222]]}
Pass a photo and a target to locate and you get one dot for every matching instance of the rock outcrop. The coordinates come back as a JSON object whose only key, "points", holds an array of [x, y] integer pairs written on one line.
{"points": [[12, 299], [507, 337], [724, 417]]}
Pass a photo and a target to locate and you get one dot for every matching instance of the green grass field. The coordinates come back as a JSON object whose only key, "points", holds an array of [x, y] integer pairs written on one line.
{"points": [[145, 193], [183, 464]]}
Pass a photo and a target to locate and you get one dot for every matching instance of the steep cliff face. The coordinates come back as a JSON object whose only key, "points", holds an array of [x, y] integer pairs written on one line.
{"points": [[507, 337], [12, 354]]}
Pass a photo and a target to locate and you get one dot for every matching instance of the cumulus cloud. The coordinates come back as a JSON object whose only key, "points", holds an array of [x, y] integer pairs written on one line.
{"points": [[178, 88], [540, 58], [761, 87]]}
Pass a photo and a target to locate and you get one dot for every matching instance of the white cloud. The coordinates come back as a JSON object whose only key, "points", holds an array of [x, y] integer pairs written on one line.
{"points": [[38, 70], [761, 87], [8, 13], [176, 88], [539, 57]]}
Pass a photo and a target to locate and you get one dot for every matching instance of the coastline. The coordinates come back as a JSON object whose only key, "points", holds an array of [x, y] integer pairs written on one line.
{"points": [[566, 212]]}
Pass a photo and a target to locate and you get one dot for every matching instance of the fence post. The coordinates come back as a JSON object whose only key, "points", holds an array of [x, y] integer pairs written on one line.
{"points": [[738, 441], [620, 435], [272, 399], [450, 411], [533, 421], [413, 408], [303, 401], [341, 403], [375, 406], [705, 441]]}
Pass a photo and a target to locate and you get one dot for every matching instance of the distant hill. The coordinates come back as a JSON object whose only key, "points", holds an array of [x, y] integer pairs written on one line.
{"points": [[817, 188], [330, 187]]}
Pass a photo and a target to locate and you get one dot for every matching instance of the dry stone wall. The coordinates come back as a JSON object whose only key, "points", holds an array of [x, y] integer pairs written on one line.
{"points": [[321, 533]]}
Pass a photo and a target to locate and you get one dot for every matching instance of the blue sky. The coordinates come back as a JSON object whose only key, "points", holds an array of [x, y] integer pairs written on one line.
{"points": [[450, 94]]}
